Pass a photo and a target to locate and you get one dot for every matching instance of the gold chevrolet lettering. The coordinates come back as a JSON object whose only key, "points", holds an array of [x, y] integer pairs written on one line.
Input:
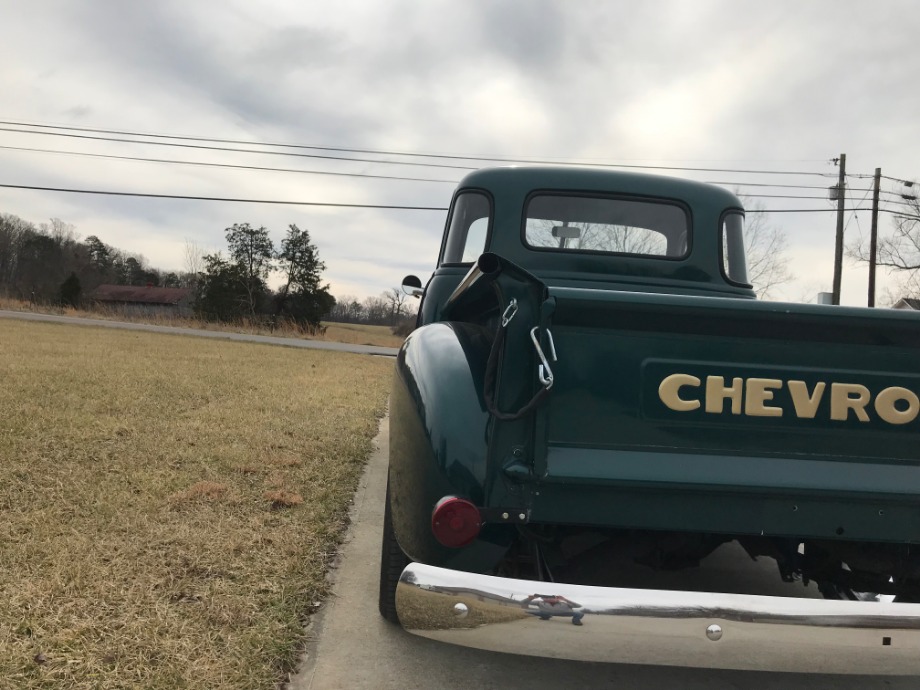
{"points": [[885, 405], [806, 404], [756, 393], [717, 392], [846, 397], [756, 397], [669, 392]]}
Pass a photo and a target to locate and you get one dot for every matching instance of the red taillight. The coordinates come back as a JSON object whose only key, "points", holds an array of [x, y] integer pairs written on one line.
{"points": [[455, 522]]}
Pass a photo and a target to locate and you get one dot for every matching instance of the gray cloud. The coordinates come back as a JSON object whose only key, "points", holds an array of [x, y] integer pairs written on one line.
{"points": [[783, 84]]}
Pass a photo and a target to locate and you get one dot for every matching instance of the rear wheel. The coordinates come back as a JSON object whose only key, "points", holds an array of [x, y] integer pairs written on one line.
{"points": [[392, 562]]}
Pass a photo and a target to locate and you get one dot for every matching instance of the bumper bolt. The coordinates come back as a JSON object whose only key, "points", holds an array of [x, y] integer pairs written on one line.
{"points": [[461, 610], [714, 632]]}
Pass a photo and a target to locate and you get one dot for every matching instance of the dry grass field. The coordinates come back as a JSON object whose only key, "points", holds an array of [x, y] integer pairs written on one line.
{"points": [[361, 334], [354, 333], [169, 505]]}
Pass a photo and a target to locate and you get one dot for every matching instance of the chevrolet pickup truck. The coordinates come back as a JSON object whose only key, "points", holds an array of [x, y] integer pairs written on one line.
{"points": [[594, 403]]}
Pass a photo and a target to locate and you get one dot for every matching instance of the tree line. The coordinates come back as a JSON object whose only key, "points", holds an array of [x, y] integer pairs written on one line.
{"points": [[391, 308], [49, 264]]}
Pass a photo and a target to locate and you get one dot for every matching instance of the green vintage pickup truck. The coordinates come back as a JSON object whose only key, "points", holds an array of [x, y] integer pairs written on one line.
{"points": [[594, 392]]}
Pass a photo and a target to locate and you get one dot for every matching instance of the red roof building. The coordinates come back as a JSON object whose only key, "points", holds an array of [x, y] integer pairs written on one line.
{"points": [[143, 299]]}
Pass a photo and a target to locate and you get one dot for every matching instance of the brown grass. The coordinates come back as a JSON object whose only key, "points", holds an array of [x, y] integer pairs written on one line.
{"points": [[353, 333], [281, 498], [361, 334], [201, 490], [137, 546]]}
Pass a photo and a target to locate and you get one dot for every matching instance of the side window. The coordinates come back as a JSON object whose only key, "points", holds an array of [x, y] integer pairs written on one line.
{"points": [[469, 228], [734, 262]]}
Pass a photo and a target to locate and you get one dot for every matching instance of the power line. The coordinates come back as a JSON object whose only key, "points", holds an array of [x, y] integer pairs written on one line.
{"points": [[223, 165], [858, 207], [285, 145], [531, 161], [235, 150], [214, 198], [782, 196], [800, 210], [318, 203], [899, 200], [244, 142], [898, 179], [789, 186], [884, 177], [899, 214], [365, 175], [373, 176]]}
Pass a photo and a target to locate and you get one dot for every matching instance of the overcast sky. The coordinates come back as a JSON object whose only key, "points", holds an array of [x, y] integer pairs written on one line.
{"points": [[768, 86]]}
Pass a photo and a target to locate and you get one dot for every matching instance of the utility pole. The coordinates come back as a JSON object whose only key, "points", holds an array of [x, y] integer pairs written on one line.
{"points": [[838, 250], [873, 237]]}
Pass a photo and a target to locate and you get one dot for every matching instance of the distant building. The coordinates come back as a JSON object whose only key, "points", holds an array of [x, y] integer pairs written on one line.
{"points": [[908, 303], [147, 301]]}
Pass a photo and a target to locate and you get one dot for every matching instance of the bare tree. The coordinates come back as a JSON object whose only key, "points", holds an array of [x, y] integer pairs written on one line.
{"points": [[623, 239], [13, 233], [354, 308], [194, 257], [61, 232], [766, 248], [898, 252], [396, 300], [597, 237], [375, 309]]}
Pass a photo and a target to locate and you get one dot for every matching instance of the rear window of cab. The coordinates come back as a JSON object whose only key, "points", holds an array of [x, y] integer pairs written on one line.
{"points": [[608, 225]]}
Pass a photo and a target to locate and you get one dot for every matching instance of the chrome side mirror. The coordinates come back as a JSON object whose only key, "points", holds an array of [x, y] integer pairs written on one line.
{"points": [[411, 285]]}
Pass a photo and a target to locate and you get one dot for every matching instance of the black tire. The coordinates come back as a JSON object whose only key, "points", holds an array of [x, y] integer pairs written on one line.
{"points": [[392, 562]]}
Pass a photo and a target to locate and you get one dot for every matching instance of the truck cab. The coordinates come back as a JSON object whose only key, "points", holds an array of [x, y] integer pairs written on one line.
{"points": [[568, 226]]}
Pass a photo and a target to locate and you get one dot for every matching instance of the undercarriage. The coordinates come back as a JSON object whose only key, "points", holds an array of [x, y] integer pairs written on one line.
{"points": [[833, 569]]}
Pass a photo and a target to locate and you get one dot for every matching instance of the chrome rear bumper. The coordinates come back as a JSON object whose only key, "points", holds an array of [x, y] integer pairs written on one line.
{"points": [[659, 627]]}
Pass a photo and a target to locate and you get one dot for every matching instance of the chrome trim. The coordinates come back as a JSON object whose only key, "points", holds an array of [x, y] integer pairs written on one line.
{"points": [[660, 627]]}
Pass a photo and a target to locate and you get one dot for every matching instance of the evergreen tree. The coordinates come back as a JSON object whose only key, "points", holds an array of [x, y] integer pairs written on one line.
{"points": [[302, 297], [251, 252], [221, 294], [69, 292]]}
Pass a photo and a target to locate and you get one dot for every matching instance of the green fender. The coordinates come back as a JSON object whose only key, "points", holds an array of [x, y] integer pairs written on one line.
{"points": [[439, 441]]}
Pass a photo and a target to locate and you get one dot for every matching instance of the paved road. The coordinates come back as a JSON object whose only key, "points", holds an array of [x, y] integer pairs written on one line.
{"points": [[199, 333], [354, 648]]}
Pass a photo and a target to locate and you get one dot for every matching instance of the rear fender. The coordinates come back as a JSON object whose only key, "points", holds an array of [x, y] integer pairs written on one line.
{"points": [[439, 441]]}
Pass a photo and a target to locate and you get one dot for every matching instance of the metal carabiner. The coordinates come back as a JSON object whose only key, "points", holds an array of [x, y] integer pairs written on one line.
{"points": [[544, 373], [510, 311]]}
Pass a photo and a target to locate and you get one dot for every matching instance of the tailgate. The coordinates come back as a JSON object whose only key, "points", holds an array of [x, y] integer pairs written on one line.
{"points": [[713, 414]]}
